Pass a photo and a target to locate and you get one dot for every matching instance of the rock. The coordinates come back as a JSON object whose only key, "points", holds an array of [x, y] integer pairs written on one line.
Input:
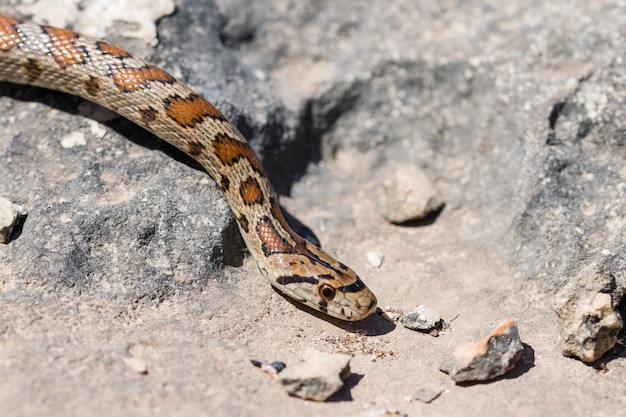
{"points": [[427, 394], [591, 320], [318, 377], [406, 194], [488, 359], [136, 365], [390, 314], [270, 368], [375, 259], [382, 412], [422, 319], [9, 218]]}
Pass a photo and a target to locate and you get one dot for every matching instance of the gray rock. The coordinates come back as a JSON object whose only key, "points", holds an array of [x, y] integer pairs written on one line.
{"points": [[319, 376], [406, 194], [490, 358], [423, 319], [427, 394], [589, 308]]}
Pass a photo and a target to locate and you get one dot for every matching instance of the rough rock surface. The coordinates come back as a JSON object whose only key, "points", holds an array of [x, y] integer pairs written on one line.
{"points": [[317, 377], [514, 110], [490, 358]]}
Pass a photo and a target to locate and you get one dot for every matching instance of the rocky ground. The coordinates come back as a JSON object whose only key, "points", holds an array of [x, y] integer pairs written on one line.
{"points": [[129, 256]]}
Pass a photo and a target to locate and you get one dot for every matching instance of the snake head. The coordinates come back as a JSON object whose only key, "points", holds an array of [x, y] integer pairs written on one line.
{"points": [[314, 278]]}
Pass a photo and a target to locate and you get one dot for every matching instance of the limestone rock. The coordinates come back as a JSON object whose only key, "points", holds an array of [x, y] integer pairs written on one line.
{"points": [[9, 217], [591, 320], [407, 194], [422, 319], [318, 377], [488, 359], [427, 393]]}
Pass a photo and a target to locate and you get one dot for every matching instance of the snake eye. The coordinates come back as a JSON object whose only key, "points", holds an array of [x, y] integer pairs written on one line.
{"points": [[327, 292]]}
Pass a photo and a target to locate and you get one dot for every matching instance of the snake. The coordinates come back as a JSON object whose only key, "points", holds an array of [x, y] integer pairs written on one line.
{"points": [[95, 70]]}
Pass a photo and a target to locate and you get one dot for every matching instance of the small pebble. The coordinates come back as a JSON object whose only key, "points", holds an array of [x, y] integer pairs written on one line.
{"points": [[391, 314], [488, 359], [73, 139], [375, 259], [319, 376], [427, 394], [272, 369], [422, 319], [136, 365], [9, 218]]}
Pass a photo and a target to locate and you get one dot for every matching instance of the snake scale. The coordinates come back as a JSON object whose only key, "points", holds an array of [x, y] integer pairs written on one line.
{"points": [[63, 60]]}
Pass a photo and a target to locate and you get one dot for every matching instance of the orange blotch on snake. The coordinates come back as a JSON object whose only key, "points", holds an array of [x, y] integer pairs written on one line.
{"points": [[229, 151], [191, 110], [251, 192], [272, 241], [9, 36], [135, 79], [63, 47], [112, 50]]}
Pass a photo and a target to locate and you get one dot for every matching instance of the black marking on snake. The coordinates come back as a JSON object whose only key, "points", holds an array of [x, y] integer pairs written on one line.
{"points": [[33, 69], [224, 183], [243, 221], [343, 266], [326, 276], [295, 279], [148, 115], [356, 286]]}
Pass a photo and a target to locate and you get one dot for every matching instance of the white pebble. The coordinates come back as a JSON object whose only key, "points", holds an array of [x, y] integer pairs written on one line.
{"points": [[73, 139], [375, 258], [136, 365]]}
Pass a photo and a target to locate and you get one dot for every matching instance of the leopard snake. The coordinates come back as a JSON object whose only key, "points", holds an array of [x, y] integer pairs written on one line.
{"points": [[63, 60]]}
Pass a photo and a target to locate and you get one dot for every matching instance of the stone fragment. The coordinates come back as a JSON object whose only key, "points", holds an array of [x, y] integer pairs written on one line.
{"points": [[488, 359], [318, 377], [9, 218], [588, 306], [375, 258], [382, 412], [391, 314], [591, 329], [136, 365], [406, 194], [270, 368], [427, 394], [422, 319]]}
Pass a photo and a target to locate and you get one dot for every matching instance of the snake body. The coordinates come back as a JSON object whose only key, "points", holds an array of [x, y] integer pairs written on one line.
{"points": [[63, 60]]}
